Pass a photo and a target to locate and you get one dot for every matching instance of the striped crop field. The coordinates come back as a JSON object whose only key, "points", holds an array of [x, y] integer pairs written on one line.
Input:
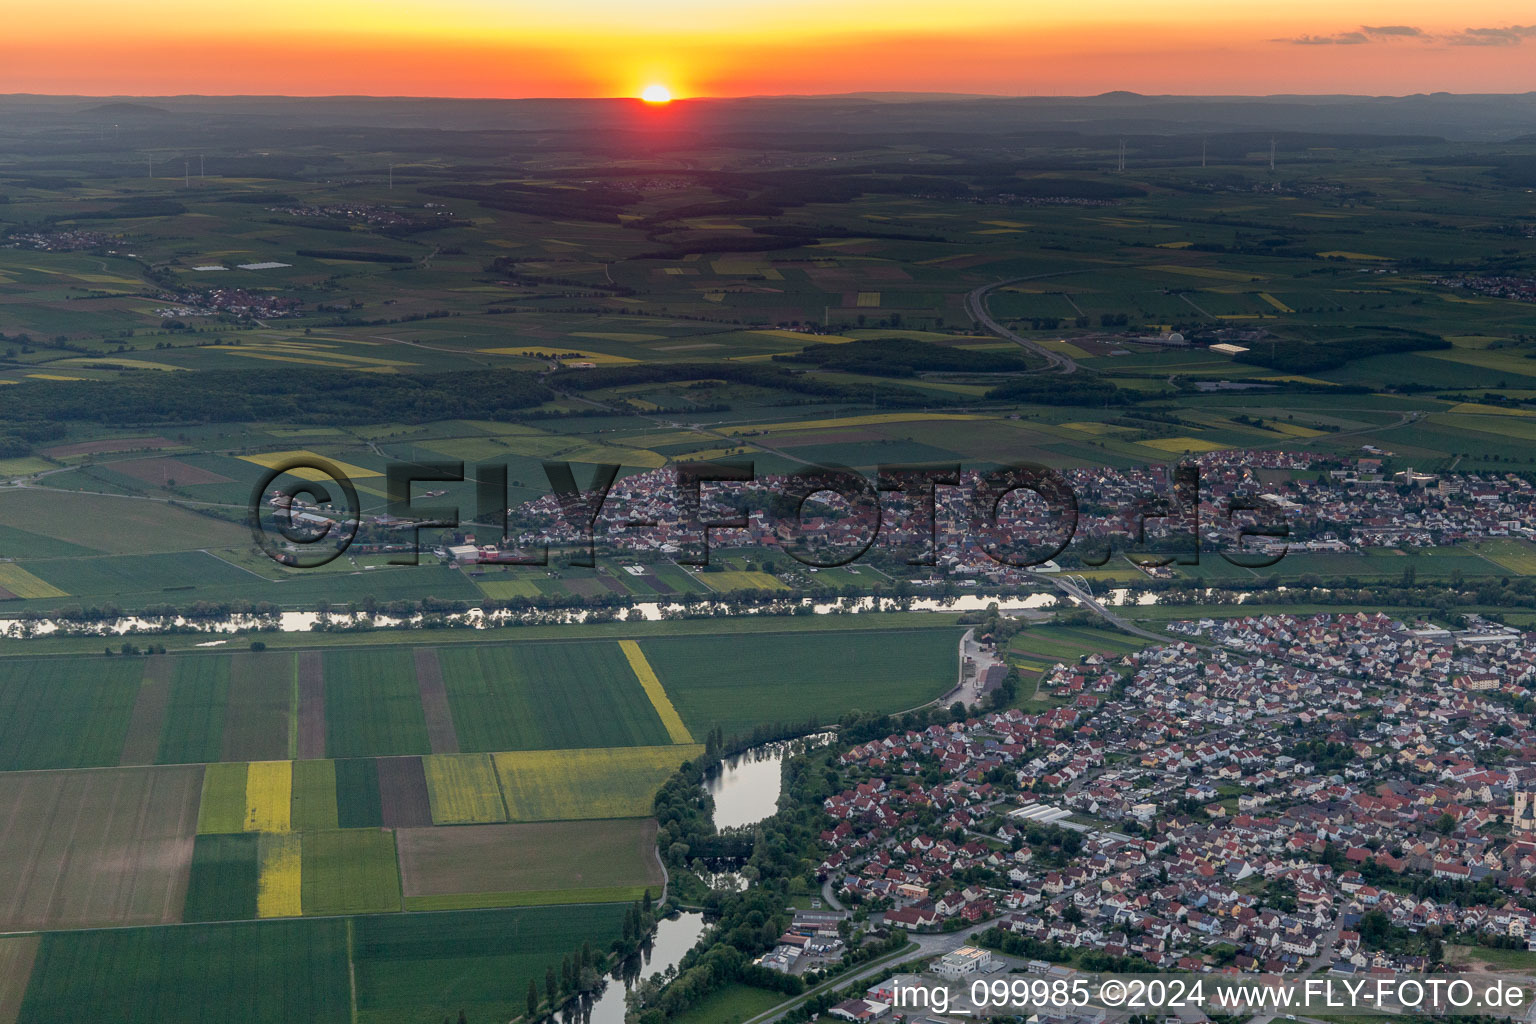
{"points": [[657, 694], [598, 782], [314, 796], [463, 789], [269, 796], [350, 872]]}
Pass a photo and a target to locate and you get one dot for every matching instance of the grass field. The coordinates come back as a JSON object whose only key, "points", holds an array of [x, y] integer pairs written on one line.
{"points": [[225, 878], [540, 696], [463, 789], [199, 692], [275, 972], [419, 968], [373, 704], [602, 782], [729, 1005], [351, 871], [223, 806], [314, 796], [1517, 556], [471, 861], [55, 713], [738, 682]]}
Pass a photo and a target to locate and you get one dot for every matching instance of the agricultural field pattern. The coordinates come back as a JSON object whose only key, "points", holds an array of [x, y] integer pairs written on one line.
{"points": [[456, 767]]}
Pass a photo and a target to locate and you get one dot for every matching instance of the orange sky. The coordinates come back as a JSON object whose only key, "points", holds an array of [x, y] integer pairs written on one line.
{"points": [[745, 47]]}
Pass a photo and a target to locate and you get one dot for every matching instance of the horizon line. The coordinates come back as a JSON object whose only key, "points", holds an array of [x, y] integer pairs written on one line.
{"points": [[854, 94]]}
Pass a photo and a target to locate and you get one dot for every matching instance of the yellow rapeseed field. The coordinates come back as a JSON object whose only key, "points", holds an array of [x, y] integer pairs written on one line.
{"points": [[278, 886], [268, 796]]}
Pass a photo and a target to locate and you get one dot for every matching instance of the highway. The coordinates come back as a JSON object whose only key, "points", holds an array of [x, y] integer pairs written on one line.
{"points": [[976, 306]]}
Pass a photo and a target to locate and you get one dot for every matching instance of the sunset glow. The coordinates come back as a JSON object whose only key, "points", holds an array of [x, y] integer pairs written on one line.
{"points": [[475, 48], [656, 94]]}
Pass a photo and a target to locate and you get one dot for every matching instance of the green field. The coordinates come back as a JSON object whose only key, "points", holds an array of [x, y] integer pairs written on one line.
{"points": [[275, 972], [541, 696], [200, 694], [372, 704], [314, 796], [222, 809], [358, 802], [738, 682], [1517, 556], [114, 525], [730, 1005], [421, 967], [222, 886], [351, 871], [57, 713], [560, 861]]}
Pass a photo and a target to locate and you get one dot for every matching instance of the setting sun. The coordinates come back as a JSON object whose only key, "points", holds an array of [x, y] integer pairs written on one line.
{"points": [[656, 94]]}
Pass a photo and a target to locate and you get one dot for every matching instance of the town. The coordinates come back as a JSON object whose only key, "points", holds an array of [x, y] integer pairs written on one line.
{"points": [[1275, 794]]}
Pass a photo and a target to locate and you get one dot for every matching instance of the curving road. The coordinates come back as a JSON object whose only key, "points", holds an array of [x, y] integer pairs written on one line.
{"points": [[976, 306], [1088, 601]]}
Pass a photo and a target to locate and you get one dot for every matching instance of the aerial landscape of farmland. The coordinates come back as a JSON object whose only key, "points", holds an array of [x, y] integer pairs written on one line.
{"points": [[695, 563]]}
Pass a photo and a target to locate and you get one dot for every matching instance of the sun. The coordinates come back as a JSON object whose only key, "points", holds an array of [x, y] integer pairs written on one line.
{"points": [[656, 94]]}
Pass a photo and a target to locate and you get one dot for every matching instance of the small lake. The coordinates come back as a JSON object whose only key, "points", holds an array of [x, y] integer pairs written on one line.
{"points": [[746, 788], [674, 936]]}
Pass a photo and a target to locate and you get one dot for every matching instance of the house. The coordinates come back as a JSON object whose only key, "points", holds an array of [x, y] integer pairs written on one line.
{"points": [[962, 962], [860, 1010]]}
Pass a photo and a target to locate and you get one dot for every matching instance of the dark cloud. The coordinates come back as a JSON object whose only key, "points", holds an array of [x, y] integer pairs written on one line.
{"points": [[1407, 31], [1339, 39], [1511, 35]]}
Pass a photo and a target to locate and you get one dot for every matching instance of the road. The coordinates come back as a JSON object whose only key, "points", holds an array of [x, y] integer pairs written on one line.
{"points": [[1091, 603], [976, 306], [930, 945], [1322, 961]]}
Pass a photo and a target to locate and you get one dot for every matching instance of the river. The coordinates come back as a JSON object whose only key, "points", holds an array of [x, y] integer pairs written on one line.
{"points": [[674, 936], [476, 618]]}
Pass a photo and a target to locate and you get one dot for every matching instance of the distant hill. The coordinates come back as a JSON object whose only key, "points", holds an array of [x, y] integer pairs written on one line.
{"points": [[126, 109], [1459, 117]]}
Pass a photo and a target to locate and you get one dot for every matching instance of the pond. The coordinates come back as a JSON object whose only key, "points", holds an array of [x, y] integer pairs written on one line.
{"points": [[746, 787], [674, 936]]}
